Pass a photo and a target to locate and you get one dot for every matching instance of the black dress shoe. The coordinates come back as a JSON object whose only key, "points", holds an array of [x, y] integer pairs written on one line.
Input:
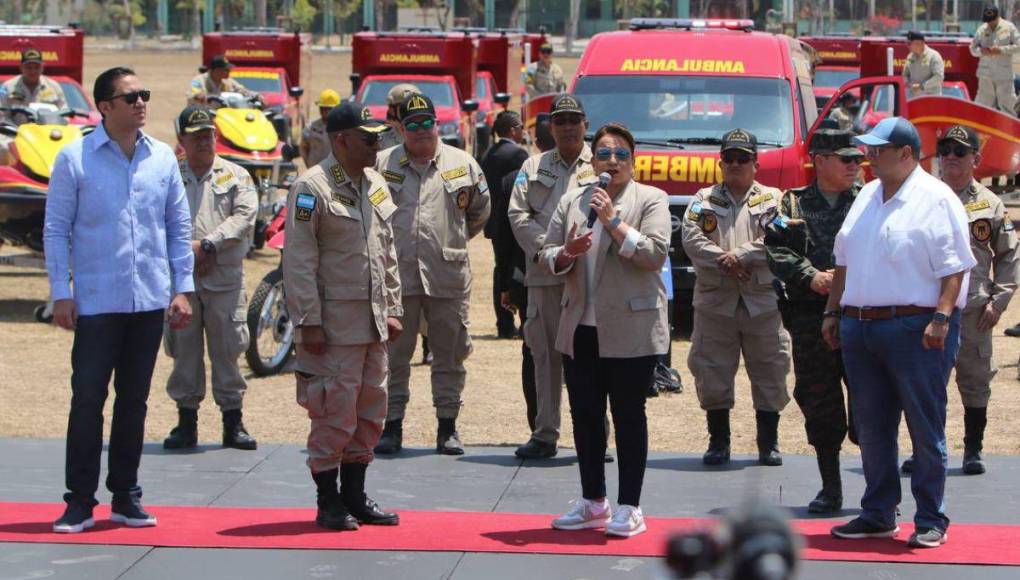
{"points": [[825, 503], [1013, 331], [908, 465], [535, 449], [972, 463]]}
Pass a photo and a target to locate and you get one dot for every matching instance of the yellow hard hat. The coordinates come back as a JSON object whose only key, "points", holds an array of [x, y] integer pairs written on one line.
{"points": [[328, 98]]}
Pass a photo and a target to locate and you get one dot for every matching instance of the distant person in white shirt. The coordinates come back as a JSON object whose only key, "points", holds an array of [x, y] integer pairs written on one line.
{"points": [[902, 258]]}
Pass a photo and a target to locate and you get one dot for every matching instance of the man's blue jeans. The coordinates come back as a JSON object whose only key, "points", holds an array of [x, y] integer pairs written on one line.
{"points": [[889, 372]]}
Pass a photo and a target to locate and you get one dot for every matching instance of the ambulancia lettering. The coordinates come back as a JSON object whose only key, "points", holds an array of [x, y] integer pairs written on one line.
{"points": [[685, 65]]}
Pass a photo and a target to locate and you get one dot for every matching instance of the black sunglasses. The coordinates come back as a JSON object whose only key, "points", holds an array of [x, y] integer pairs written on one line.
{"points": [[132, 97], [738, 157], [846, 159], [567, 120], [959, 150]]}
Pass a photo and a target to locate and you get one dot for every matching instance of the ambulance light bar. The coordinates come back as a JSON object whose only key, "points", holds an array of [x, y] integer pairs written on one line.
{"points": [[690, 24]]}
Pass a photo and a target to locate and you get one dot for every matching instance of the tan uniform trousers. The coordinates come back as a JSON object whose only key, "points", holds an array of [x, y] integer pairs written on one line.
{"points": [[450, 344], [716, 345], [220, 319], [540, 326], [974, 367], [346, 401], [997, 94]]}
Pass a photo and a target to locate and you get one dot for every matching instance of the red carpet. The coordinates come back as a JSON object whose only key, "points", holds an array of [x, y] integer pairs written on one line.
{"points": [[213, 527]]}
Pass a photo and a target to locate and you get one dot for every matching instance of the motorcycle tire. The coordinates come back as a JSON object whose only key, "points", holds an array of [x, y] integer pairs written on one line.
{"points": [[271, 287]]}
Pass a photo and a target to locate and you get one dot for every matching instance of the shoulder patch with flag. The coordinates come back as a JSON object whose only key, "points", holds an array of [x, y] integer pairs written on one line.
{"points": [[305, 205]]}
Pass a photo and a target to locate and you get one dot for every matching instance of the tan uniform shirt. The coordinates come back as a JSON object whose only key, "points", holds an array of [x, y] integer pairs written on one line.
{"points": [[223, 205], [14, 93], [542, 79], [315, 145], [997, 67], [202, 86], [994, 243], [541, 182], [439, 208], [716, 223], [390, 138], [928, 70], [340, 267], [842, 117]]}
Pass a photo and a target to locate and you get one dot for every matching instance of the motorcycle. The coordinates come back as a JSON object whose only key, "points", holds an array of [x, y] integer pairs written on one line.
{"points": [[247, 135], [272, 332], [30, 139]]}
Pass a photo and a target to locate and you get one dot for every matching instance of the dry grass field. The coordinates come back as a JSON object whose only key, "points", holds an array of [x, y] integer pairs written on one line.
{"points": [[35, 359]]}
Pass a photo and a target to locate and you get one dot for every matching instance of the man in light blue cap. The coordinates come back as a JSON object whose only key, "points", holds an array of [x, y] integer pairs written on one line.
{"points": [[902, 261]]}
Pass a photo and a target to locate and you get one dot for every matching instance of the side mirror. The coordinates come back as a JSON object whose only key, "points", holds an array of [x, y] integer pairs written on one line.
{"points": [[469, 106], [289, 152], [502, 98], [355, 83], [296, 92]]}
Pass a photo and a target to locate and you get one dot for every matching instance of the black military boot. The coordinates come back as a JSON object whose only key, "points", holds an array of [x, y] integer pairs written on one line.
{"points": [[830, 499], [718, 437], [768, 438], [358, 504], [392, 439], [234, 433], [447, 438], [185, 434], [332, 514], [974, 421]]}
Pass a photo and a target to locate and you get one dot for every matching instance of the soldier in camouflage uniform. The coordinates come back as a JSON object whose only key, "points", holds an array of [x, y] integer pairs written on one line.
{"points": [[799, 243]]}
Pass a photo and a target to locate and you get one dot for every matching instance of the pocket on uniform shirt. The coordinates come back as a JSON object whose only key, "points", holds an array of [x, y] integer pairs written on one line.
{"points": [[897, 244]]}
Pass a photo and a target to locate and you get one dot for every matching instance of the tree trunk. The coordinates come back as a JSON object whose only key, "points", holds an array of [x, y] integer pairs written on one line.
{"points": [[515, 9], [131, 25], [260, 13], [196, 24], [571, 32]]}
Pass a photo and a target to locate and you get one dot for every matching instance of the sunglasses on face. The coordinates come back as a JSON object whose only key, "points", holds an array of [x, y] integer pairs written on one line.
{"points": [[567, 120], [132, 97], [369, 139], [738, 157], [604, 153], [846, 159], [959, 150], [420, 125]]}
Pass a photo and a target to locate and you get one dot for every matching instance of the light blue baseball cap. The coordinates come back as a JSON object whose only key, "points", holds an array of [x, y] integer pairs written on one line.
{"points": [[892, 131]]}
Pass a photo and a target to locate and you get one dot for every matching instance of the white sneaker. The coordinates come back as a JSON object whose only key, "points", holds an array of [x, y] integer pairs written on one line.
{"points": [[627, 521], [585, 514]]}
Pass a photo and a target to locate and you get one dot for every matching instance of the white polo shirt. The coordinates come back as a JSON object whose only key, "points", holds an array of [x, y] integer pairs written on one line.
{"points": [[896, 252]]}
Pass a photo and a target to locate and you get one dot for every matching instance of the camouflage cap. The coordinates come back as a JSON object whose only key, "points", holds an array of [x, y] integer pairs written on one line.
{"points": [[400, 92], [834, 141]]}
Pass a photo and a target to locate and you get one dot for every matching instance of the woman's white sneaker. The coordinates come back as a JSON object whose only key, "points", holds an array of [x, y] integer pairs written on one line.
{"points": [[585, 514], [627, 521]]}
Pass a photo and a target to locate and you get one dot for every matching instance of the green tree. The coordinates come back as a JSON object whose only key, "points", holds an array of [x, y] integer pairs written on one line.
{"points": [[303, 14]]}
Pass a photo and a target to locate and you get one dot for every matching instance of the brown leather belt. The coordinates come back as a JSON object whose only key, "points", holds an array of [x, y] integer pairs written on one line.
{"points": [[885, 312]]}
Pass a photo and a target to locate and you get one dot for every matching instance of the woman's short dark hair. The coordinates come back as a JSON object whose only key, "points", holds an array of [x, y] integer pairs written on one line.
{"points": [[106, 82], [617, 130]]}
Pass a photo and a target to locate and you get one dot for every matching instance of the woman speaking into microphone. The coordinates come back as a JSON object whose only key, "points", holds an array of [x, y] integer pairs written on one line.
{"points": [[609, 243]]}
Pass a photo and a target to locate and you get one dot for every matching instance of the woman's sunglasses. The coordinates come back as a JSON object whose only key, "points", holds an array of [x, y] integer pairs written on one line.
{"points": [[945, 149], [420, 126], [604, 153], [132, 97]]}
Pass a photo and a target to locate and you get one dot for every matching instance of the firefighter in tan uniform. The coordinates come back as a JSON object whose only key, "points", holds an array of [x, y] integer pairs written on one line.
{"points": [[925, 70], [216, 81], [544, 77], [542, 180], [315, 144], [994, 44], [735, 309], [442, 202], [223, 204], [31, 86], [343, 294], [992, 283]]}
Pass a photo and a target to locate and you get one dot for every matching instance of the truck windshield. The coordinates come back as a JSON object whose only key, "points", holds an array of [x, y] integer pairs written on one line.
{"points": [[833, 78], [481, 88], [74, 97], [440, 92], [684, 107], [261, 82]]}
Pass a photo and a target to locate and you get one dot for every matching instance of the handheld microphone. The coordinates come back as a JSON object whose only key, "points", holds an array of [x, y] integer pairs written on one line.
{"points": [[603, 183]]}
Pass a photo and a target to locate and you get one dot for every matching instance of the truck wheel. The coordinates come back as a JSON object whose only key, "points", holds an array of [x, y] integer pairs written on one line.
{"points": [[271, 331]]}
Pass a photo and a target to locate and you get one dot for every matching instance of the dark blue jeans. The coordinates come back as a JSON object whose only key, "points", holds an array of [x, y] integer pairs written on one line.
{"points": [[890, 373], [124, 346]]}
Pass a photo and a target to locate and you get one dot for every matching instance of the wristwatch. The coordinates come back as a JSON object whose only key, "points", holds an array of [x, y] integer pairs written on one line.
{"points": [[208, 247], [832, 314], [940, 318], [615, 222]]}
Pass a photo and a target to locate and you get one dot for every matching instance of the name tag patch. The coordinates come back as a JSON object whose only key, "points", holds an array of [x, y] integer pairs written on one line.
{"points": [[225, 178], [977, 206], [377, 196], [759, 199], [393, 176], [718, 201], [348, 201], [455, 173]]}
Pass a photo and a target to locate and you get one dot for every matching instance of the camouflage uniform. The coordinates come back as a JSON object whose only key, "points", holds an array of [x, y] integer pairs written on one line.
{"points": [[799, 245], [543, 80]]}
